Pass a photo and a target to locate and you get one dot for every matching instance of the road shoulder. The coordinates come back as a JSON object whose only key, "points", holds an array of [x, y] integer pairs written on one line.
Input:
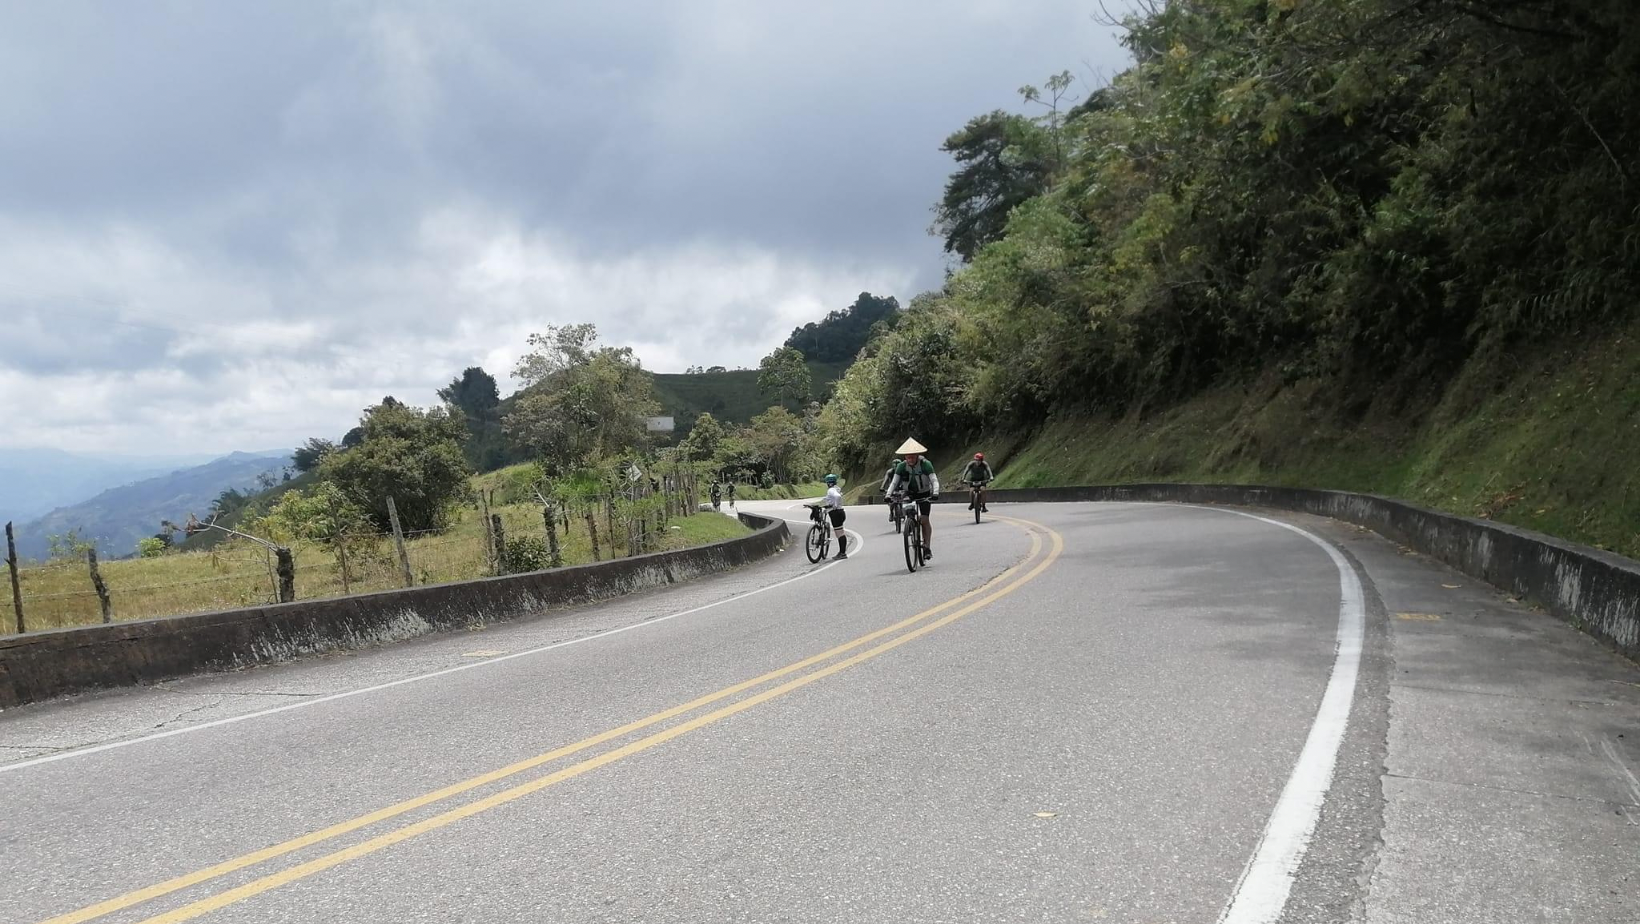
{"points": [[1510, 751]]}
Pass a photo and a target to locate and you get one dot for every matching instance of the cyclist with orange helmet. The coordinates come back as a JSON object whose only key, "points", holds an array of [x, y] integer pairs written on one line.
{"points": [[978, 473]]}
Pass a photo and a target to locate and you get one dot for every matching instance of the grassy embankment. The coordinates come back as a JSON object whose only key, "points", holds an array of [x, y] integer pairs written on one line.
{"points": [[239, 573], [779, 492], [1548, 441]]}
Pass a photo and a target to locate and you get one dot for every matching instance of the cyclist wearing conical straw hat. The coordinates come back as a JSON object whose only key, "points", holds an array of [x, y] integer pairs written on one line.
{"points": [[915, 477]]}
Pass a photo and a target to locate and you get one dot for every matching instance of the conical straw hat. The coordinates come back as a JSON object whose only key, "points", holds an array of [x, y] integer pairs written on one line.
{"points": [[910, 447]]}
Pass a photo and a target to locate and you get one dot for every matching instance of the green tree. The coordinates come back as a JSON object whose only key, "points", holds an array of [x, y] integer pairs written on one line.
{"points": [[784, 375], [839, 336], [582, 403], [1003, 164], [776, 437], [478, 398], [307, 456], [474, 392], [322, 513], [228, 502], [703, 439], [412, 455]]}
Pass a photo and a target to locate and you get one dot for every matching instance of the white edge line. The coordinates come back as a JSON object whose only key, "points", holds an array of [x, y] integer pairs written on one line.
{"points": [[1261, 893], [402, 681]]}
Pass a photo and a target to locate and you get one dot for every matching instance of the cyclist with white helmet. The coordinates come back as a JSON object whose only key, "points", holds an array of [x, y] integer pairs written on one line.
{"points": [[833, 505]]}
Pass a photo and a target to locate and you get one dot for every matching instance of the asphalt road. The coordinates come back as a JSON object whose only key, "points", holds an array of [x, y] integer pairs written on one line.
{"points": [[1113, 712]]}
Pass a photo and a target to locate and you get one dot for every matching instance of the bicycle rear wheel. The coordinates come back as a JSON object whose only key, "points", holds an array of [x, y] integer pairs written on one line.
{"points": [[913, 546], [898, 516], [815, 546]]}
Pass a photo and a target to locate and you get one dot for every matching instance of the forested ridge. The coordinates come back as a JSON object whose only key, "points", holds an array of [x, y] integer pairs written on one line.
{"points": [[1356, 199]]}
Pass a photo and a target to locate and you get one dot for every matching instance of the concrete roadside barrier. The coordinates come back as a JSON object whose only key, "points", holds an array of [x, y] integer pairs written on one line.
{"points": [[40, 665]]}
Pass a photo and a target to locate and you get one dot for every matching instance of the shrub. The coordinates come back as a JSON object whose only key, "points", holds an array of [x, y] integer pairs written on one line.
{"points": [[523, 554]]}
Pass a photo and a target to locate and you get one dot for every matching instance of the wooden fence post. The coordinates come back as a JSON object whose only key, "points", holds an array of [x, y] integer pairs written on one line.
{"points": [[16, 589], [338, 542], [490, 556], [592, 532], [286, 570], [498, 538], [551, 518], [398, 543], [341, 561], [100, 587]]}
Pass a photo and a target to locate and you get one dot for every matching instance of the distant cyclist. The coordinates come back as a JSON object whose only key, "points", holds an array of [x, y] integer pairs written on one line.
{"points": [[731, 493], [834, 509], [915, 477], [978, 473], [888, 479], [717, 495]]}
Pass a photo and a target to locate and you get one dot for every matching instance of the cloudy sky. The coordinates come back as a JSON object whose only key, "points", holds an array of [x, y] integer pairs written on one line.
{"points": [[232, 225]]}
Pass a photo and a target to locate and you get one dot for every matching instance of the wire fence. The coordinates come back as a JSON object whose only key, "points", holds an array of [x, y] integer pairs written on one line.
{"points": [[482, 540]]}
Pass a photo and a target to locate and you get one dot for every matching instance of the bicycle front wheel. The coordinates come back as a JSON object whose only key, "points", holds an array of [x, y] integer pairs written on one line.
{"points": [[976, 506], [913, 546], [815, 547]]}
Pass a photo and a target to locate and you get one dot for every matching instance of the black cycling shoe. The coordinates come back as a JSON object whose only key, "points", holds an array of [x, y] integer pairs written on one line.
{"points": [[928, 554]]}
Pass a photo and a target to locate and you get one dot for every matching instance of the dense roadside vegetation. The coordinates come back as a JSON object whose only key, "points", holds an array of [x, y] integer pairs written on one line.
{"points": [[1376, 244]]}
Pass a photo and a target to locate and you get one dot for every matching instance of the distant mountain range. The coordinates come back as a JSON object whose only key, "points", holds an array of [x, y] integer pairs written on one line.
{"points": [[117, 517], [33, 481]]}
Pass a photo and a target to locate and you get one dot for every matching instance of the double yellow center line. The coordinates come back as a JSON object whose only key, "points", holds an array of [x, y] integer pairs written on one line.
{"points": [[896, 635]]}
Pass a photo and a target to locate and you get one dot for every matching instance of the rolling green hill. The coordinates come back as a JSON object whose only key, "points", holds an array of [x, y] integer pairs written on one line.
{"points": [[731, 397]]}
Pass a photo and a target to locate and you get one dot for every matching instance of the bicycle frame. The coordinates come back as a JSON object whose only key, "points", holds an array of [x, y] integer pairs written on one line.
{"points": [[913, 534], [817, 544], [976, 498]]}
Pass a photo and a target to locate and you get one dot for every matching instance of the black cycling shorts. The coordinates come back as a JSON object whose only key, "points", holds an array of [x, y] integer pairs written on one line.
{"points": [[923, 505], [837, 517]]}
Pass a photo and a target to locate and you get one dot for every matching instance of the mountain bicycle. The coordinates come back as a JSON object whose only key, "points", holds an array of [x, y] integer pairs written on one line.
{"points": [[976, 497], [818, 544], [895, 515], [915, 554]]}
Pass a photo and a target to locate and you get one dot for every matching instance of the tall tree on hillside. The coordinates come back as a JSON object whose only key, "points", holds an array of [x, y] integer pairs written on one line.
{"points": [[475, 394], [838, 337], [582, 403], [1002, 163], [784, 375], [307, 456], [409, 454], [703, 439]]}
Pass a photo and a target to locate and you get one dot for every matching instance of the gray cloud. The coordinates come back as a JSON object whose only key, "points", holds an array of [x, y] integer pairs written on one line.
{"points": [[228, 226]]}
